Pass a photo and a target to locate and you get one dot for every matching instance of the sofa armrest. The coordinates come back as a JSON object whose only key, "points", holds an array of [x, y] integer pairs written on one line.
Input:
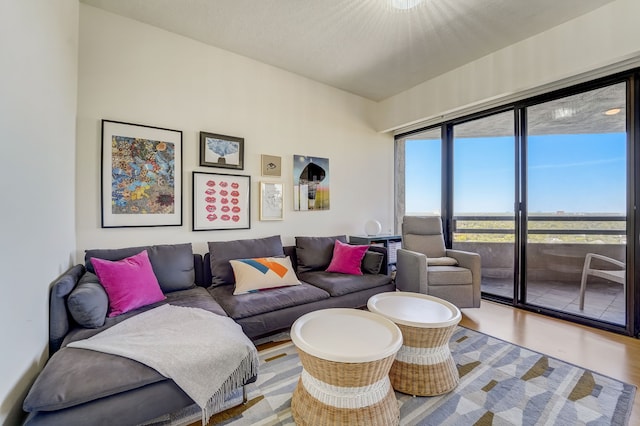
{"points": [[411, 271], [471, 261], [59, 318]]}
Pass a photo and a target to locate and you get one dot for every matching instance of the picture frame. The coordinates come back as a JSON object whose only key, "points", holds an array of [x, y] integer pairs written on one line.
{"points": [[221, 201], [141, 175], [221, 151], [311, 183], [271, 165], [271, 201]]}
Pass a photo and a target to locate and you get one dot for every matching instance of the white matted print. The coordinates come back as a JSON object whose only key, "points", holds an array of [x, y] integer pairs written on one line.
{"points": [[221, 201], [271, 201]]}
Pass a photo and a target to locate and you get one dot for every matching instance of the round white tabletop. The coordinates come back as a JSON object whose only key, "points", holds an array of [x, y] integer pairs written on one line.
{"points": [[346, 335], [415, 309]]}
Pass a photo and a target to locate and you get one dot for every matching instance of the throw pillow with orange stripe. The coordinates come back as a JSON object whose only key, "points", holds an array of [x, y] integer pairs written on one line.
{"points": [[262, 273]]}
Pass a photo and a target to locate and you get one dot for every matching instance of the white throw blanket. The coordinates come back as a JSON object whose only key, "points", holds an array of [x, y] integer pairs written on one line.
{"points": [[205, 354]]}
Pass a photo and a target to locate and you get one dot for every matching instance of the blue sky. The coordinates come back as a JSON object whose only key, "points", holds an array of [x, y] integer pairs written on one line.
{"points": [[582, 173]]}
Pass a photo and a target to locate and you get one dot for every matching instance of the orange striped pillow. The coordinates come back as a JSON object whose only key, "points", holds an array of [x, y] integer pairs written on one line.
{"points": [[262, 273]]}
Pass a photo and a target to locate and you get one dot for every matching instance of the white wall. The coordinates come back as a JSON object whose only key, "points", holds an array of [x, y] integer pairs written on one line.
{"points": [[136, 73], [38, 82], [596, 41]]}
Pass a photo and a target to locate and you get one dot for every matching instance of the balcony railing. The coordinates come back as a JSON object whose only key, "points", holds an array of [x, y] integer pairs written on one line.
{"points": [[557, 244]]}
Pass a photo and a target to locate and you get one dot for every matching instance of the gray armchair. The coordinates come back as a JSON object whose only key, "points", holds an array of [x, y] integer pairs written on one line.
{"points": [[425, 265]]}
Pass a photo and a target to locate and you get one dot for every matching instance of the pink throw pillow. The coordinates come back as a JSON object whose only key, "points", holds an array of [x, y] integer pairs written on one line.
{"points": [[130, 283], [346, 258]]}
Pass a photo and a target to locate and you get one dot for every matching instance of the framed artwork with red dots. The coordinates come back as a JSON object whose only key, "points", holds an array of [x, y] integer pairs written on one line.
{"points": [[221, 201], [141, 176]]}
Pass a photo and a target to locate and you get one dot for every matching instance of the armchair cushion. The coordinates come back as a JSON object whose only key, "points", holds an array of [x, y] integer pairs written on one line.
{"points": [[449, 275], [441, 261], [431, 245]]}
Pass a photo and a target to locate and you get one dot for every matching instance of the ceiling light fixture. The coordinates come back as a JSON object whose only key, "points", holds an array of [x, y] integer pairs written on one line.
{"points": [[560, 113], [405, 4], [613, 111]]}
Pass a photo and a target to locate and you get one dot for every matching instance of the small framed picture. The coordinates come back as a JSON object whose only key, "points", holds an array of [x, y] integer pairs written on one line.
{"points": [[221, 201], [271, 201], [141, 176], [271, 165], [221, 151]]}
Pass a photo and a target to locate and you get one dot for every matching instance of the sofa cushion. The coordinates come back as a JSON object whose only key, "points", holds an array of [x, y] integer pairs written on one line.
{"points": [[340, 284], [250, 304], [172, 263], [315, 253], [372, 262], [63, 381], [130, 283], [346, 258], [88, 302], [262, 273], [223, 251]]}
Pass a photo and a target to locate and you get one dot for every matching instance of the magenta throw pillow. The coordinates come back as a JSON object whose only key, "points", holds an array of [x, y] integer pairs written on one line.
{"points": [[129, 283], [346, 258]]}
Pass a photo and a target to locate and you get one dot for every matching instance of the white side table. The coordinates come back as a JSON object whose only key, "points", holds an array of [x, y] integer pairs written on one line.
{"points": [[346, 355], [424, 365]]}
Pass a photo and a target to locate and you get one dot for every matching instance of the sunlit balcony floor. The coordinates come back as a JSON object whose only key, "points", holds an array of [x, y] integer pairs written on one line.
{"points": [[604, 300]]}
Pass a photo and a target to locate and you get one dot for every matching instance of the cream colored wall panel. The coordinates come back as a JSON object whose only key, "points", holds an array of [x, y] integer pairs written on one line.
{"points": [[137, 73], [39, 45]]}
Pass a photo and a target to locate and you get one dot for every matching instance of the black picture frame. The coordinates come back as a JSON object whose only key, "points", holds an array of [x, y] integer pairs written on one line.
{"points": [[220, 201], [141, 175], [221, 151]]}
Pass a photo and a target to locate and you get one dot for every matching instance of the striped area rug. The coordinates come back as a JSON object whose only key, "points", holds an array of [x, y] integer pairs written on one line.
{"points": [[500, 384]]}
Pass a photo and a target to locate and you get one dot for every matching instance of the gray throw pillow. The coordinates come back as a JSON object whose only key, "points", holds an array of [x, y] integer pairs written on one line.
{"points": [[88, 302], [315, 253], [172, 263], [223, 251], [372, 262]]}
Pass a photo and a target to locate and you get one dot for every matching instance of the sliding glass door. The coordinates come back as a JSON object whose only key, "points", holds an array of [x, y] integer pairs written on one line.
{"points": [[483, 197], [576, 203], [545, 190]]}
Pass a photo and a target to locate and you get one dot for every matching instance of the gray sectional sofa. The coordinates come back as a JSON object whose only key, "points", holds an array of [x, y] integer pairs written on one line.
{"points": [[80, 387]]}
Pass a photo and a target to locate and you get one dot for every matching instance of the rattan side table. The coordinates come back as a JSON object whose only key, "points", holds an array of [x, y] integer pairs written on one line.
{"points": [[424, 365], [346, 355]]}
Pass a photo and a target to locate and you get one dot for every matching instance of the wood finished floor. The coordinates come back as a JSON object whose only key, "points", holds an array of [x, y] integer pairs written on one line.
{"points": [[607, 353]]}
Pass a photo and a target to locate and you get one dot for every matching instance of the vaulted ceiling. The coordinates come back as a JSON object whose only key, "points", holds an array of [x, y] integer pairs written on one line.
{"points": [[366, 47]]}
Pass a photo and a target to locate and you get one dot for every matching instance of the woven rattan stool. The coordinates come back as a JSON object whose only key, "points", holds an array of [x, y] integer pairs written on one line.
{"points": [[424, 365], [346, 355]]}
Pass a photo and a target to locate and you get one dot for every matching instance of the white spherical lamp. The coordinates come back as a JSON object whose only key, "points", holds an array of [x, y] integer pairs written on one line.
{"points": [[372, 227]]}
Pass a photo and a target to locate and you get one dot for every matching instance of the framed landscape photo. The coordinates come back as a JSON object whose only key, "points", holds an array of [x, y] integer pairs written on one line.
{"points": [[221, 151], [141, 176], [271, 201], [221, 201]]}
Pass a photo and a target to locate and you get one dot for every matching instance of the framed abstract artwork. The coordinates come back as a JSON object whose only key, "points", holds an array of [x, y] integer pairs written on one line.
{"points": [[221, 201], [271, 165], [221, 151], [310, 183], [141, 176], [271, 201]]}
